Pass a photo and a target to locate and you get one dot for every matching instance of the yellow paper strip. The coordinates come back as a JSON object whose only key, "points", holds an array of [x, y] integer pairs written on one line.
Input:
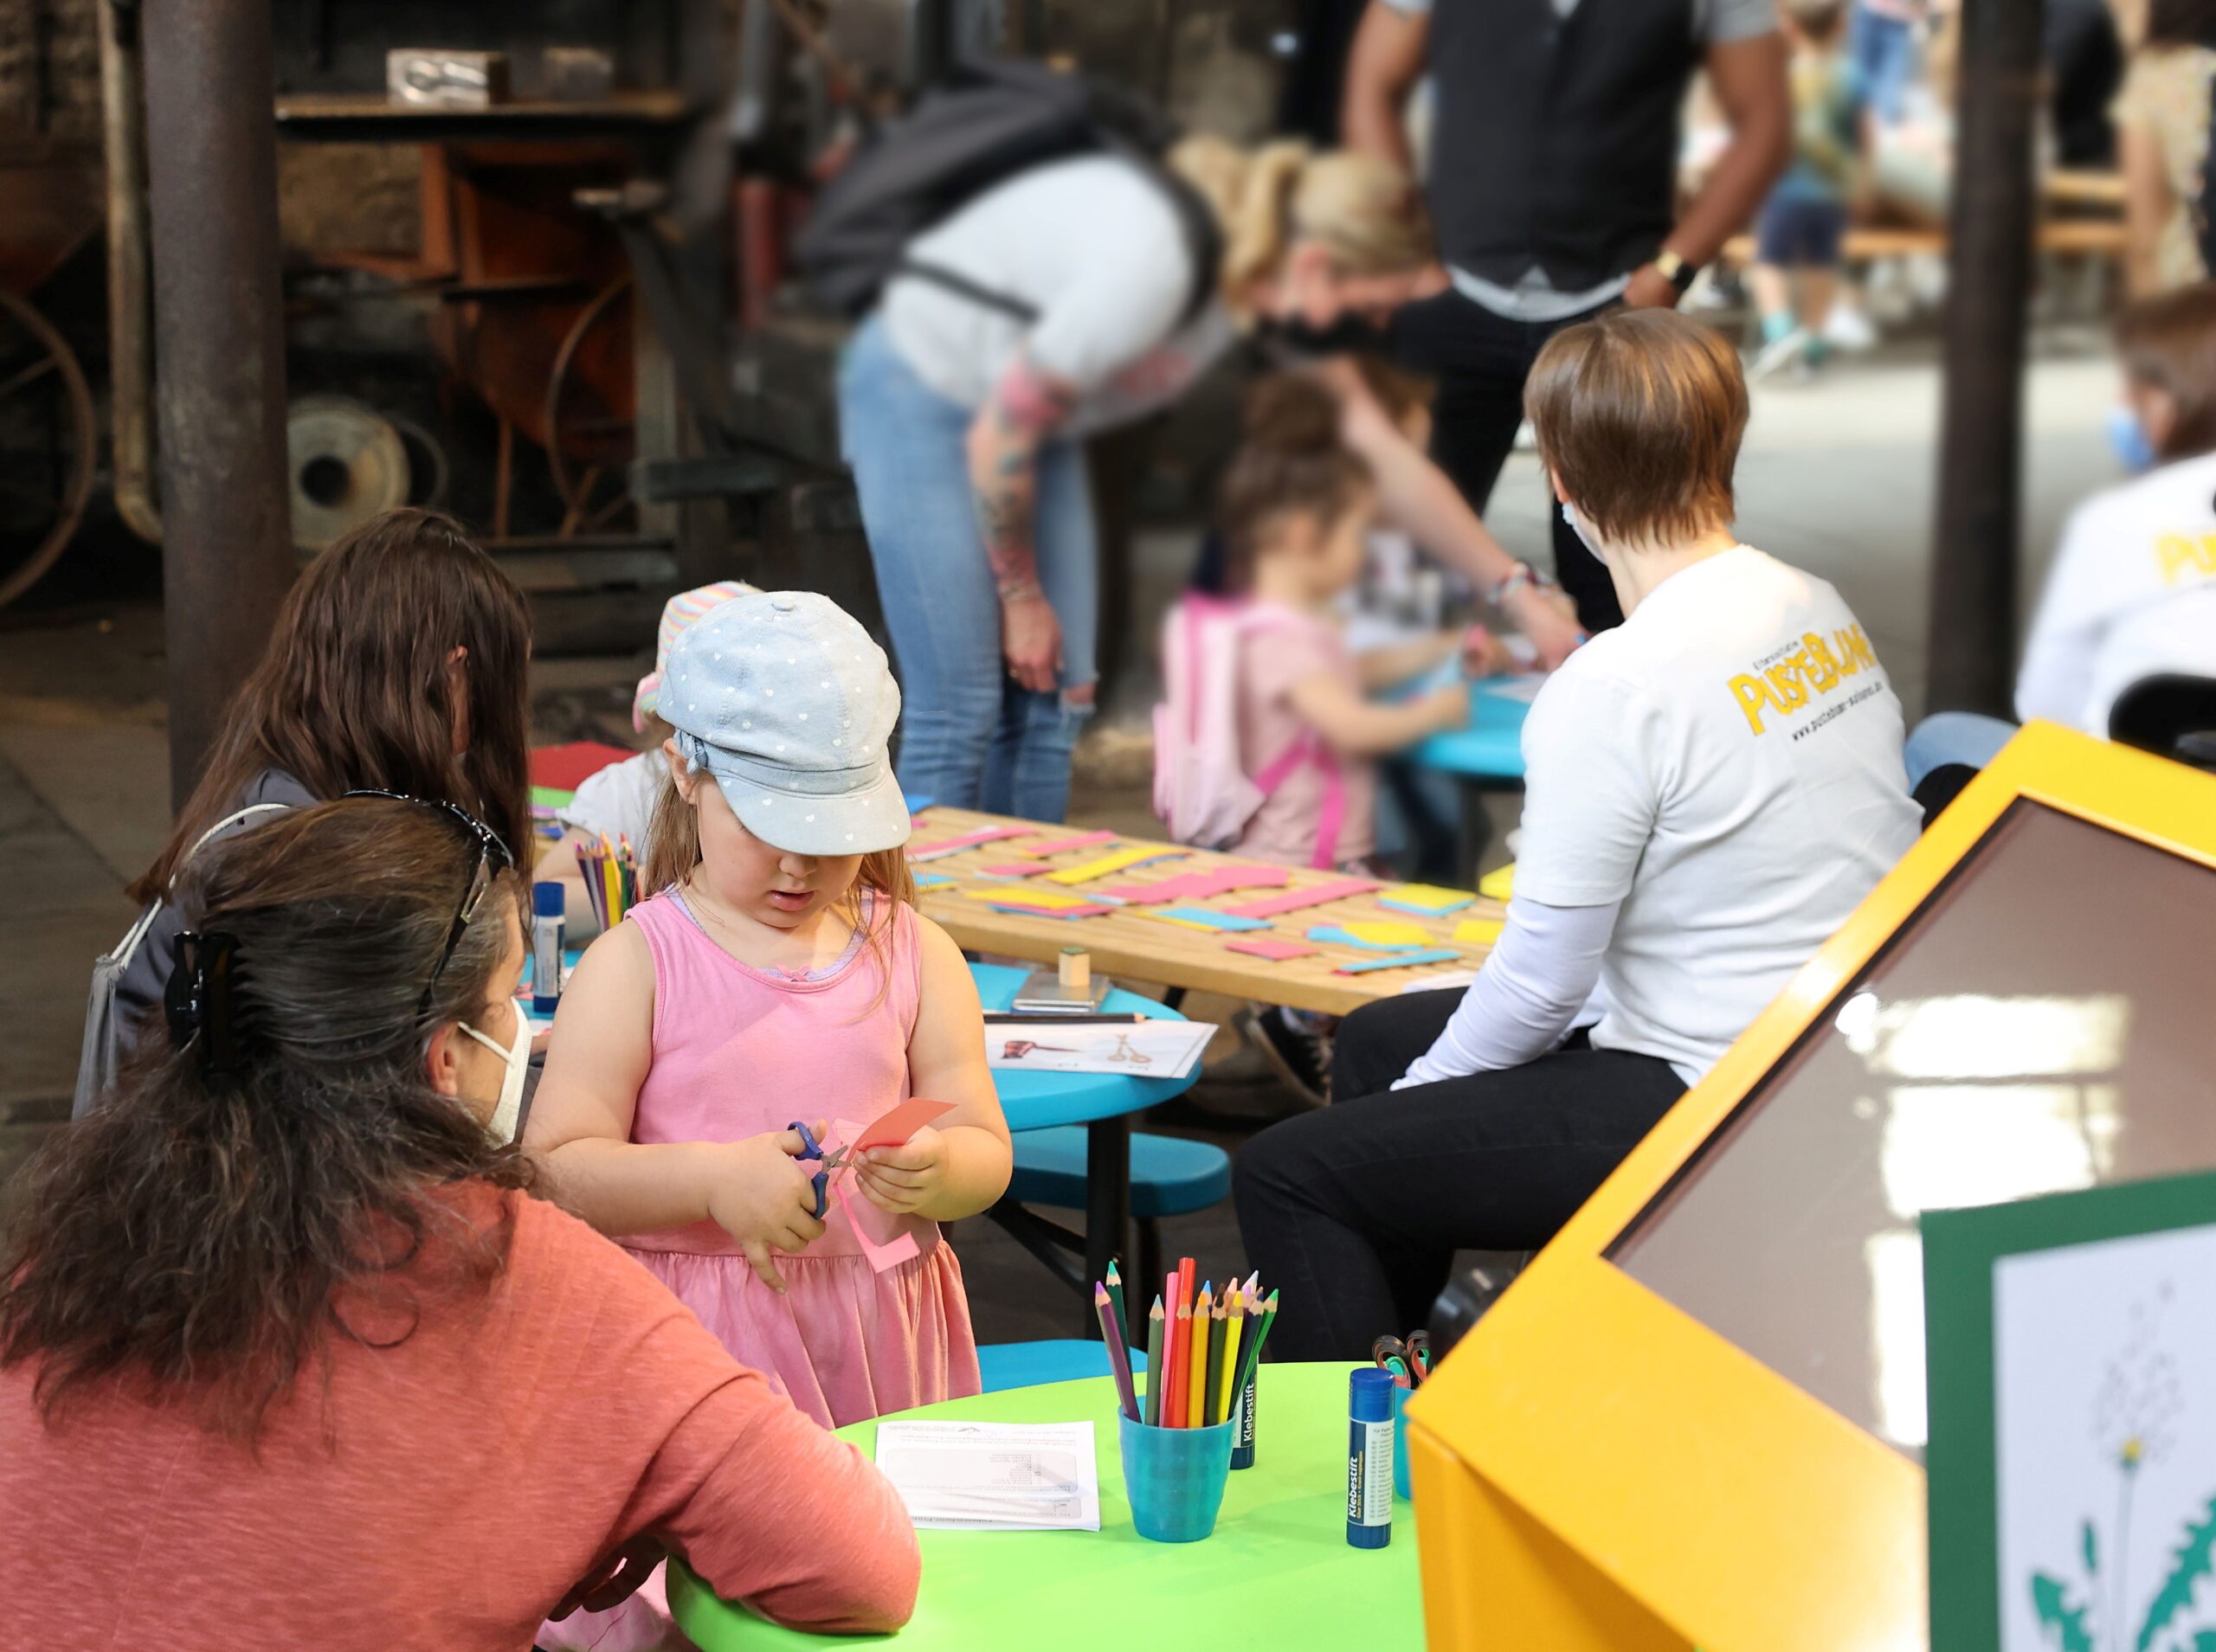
{"points": [[1498, 885], [1430, 896], [1389, 933], [1479, 932], [1021, 894], [1087, 871]]}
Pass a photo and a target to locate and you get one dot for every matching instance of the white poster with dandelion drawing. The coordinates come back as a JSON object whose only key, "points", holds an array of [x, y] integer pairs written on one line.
{"points": [[2104, 1366]]}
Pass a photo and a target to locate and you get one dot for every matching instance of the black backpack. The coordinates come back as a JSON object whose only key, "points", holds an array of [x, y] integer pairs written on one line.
{"points": [[985, 123]]}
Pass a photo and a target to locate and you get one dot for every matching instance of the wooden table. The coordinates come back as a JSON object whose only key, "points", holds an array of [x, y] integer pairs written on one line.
{"points": [[1128, 944]]}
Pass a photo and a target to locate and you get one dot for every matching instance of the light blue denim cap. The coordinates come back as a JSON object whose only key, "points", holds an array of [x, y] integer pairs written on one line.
{"points": [[786, 701]]}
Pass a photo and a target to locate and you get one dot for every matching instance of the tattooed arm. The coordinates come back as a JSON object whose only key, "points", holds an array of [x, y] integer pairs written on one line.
{"points": [[1026, 408]]}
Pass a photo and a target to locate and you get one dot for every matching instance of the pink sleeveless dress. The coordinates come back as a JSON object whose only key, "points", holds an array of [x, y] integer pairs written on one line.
{"points": [[739, 1051]]}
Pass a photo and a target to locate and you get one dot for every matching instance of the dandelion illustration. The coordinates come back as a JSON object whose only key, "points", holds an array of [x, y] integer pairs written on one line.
{"points": [[2134, 1424]]}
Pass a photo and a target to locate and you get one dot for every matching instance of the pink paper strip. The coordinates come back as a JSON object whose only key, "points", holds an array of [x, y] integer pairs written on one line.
{"points": [[1200, 886], [1022, 910], [1015, 869], [1055, 845], [883, 1255], [967, 840], [1293, 899], [1276, 951]]}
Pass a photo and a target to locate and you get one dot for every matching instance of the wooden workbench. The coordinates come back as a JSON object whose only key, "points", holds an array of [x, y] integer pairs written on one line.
{"points": [[1132, 947]]}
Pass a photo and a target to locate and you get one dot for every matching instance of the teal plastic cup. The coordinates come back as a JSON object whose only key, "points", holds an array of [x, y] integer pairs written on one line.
{"points": [[1174, 1478], [1401, 1441]]}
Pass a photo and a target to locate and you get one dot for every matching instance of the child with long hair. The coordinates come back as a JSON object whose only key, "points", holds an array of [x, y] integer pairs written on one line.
{"points": [[779, 972]]}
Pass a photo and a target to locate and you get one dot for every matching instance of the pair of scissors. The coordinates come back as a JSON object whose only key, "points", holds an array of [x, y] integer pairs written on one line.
{"points": [[1408, 1358], [833, 1160]]}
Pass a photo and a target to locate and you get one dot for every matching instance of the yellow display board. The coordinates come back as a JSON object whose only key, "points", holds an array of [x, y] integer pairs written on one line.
{"points": [[1695, 1420]]}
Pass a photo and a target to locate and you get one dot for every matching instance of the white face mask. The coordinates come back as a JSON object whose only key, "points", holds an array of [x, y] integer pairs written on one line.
{"points": [[501, 1126], [1577, 526]]}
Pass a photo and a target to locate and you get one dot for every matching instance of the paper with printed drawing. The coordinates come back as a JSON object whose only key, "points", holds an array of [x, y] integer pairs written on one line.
{"points": [[1140, 1049], [993, 1476]]}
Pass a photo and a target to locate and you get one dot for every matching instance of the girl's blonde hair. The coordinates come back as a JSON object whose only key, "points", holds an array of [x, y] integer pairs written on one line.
{"points": [[1365, 210], [673, 850]]}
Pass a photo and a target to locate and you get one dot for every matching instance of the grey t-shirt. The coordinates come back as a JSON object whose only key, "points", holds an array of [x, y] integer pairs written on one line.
{"points": [[1533, 298], [1095, 248], [144, 982]]}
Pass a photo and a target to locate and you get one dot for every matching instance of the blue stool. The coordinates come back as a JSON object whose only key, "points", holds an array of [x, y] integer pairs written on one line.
{"points": [[1170, 1176], [1026, 1364]]}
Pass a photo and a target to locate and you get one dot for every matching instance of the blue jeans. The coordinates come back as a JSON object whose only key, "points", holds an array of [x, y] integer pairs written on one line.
{"points": [[1954, 737], [970, 738], [1882, 50]]}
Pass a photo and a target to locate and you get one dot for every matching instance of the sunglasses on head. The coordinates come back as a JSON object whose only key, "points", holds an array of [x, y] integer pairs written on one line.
{"points": [[493, 858]]}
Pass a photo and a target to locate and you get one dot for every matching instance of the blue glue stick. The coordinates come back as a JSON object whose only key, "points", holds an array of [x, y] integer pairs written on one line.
{"points": [[548, 915], [1370, 1458]]}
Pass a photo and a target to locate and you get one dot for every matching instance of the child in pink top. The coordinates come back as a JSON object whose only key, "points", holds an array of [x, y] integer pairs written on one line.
{"points": [[1297, 504], [781, 972]]}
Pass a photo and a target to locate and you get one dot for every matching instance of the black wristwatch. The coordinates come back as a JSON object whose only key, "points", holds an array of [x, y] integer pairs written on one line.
{"points": [[1676, 270]]}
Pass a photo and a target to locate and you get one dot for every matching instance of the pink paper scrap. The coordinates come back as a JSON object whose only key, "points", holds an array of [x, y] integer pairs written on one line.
{"points": [[1015, 869], [1200, 886], [1022, 910], [1292, 900], [1276, 951], [967, 840], [883, 1254], [1056, 845]]}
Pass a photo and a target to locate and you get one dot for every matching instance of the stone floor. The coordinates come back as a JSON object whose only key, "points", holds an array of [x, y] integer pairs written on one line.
{"points": [[1836, 476]]}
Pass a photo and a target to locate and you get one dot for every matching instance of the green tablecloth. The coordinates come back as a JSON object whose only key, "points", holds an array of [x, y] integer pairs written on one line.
{"points": [[1277, 1573]]}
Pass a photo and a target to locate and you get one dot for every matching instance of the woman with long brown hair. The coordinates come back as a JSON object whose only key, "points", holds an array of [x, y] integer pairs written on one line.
{"points": [[399, 663], [287, 1349]]}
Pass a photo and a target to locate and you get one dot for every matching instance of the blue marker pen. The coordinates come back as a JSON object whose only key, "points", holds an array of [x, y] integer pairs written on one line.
{"points": [[1370, 1458], [548, 914]]}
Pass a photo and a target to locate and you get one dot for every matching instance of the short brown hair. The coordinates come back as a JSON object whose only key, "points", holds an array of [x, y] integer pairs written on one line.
{"points": [[2168, 343], [1638, 414], [1397, 390], [1291, 463]]}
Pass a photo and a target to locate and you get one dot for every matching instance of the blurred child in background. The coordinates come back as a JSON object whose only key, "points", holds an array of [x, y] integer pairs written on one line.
{"points": [[1804, 221]]}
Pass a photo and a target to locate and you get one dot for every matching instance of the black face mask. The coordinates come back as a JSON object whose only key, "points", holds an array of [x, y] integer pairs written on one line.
{"points": [[1350, 334]]}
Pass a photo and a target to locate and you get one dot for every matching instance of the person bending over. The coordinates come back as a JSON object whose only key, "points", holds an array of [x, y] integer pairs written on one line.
{"points": [[1712, 788], [291, 1357]]}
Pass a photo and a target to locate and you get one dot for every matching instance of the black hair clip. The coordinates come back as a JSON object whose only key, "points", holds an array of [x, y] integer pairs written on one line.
{"points": [[198, 1001]]}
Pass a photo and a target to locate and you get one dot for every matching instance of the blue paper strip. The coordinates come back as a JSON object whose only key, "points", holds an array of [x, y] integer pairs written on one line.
{"points": [[1208, 918], [1338, 937], [1401, 961]]}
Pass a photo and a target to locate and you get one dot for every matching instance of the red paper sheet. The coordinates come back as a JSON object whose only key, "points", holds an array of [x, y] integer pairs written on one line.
{"points": [[892, 1129], [563, 768], [1199, 886], [1292, 900]]}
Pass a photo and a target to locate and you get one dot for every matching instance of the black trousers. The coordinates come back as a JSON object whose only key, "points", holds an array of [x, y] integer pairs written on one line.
{"points": [[1355, 1213], [1480, 361]]}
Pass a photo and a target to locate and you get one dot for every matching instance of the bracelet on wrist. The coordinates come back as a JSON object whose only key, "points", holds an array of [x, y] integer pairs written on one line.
{"points": [[1020, 590], [1519, 576]]}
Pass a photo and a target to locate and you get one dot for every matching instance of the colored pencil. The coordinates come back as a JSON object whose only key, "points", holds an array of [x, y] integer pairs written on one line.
{"points": [[1181, 1336], [1212, 1396], [1187, 1272], [1260, 1334], [1120, 1356], [1155, 1369], [1170, 1348], [1116, 1295], [1234, 1322], [1196, 1390]]}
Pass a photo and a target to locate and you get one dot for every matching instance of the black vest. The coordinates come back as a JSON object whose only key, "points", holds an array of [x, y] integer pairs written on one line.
{"points": [[1555, 139]]}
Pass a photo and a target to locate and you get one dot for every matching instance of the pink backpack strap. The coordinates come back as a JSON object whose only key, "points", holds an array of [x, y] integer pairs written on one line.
{"points": [[1332, 814]]}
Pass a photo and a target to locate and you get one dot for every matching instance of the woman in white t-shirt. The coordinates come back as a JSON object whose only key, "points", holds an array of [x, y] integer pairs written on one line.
{"points": [[1710, 789], [1058, 304], [2132, 594]]}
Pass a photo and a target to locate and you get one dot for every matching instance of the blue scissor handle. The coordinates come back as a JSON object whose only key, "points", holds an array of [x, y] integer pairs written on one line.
{"points": [[814, 1149]]}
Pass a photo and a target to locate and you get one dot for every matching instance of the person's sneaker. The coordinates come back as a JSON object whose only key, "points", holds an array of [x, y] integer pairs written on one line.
{"points": [[1780, 352], [1846, 328], [1298, 1054]]}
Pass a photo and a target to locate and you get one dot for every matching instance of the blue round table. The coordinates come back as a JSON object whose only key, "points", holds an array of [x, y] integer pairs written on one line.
{"points": [[1103, 1103], [1486, 757]]}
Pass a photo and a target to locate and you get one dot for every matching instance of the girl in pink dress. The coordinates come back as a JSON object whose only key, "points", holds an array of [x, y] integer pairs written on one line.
{"points": [[781, 972]]}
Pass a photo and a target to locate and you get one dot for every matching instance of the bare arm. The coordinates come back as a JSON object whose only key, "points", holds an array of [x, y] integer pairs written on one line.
{"points": [[580, 1119], [1749, 80], [2147, 203], [1026, 407], [965, 1165], [1416, 497], [1360, 727], [1385, 667], [1382, 65]]}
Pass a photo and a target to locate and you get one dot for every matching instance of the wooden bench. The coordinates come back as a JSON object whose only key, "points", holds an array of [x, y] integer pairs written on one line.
{"points": [[2062, 237]]}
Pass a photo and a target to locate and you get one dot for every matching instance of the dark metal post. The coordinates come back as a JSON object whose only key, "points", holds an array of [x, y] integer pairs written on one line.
{"points": [[1972, 637], [219, 354]]}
